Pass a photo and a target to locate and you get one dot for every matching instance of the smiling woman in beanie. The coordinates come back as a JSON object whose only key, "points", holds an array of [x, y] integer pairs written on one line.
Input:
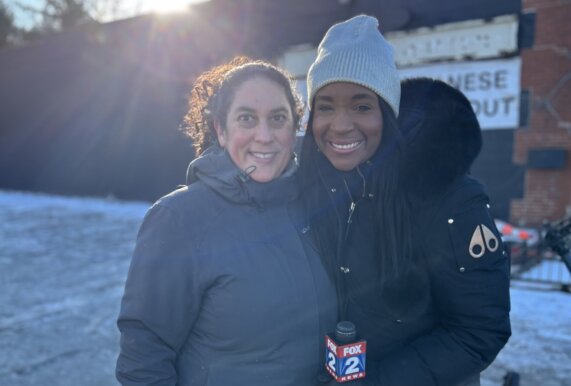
{"points": [[417, 261]]}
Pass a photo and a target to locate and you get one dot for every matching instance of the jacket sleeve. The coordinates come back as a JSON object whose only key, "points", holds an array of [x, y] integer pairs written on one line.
{"points": [[160, 303], [469, 274]]}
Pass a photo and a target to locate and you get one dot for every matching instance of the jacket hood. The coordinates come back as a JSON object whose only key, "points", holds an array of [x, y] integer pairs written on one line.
{"points": [[441, 133], [216, 170]]}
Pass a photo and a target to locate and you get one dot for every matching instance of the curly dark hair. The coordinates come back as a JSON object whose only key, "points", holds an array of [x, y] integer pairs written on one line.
{"points": [[213, 92]]}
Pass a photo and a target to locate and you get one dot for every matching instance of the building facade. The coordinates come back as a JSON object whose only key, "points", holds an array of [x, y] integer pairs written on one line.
{"points": [[97, 111], [514, 68]]}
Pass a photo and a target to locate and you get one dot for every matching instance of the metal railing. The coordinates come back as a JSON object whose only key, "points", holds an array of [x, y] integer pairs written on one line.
{"points": [[546, 261]]}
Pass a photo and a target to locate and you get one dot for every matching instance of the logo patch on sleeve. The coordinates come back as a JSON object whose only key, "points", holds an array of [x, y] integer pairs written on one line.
{"points": [[482, 239]]}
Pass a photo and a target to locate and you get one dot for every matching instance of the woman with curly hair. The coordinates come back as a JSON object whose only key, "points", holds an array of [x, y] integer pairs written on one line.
{"points": [[224, 286]]}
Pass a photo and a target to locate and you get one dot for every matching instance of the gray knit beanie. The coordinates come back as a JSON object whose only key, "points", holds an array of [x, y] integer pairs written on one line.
{"points": [[355, 51]]}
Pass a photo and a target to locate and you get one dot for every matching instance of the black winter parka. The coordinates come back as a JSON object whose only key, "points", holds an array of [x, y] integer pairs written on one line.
{"points": [[446, 321]]}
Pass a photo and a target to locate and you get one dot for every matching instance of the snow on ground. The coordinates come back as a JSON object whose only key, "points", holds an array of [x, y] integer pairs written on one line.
{"points": [[540, 346], [63, 263]]}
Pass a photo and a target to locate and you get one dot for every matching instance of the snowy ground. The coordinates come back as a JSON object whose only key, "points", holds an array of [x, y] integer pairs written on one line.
{"points": [[63, 262]]}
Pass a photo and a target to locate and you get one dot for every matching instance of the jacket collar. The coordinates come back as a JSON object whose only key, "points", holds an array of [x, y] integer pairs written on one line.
{"points": [[357, 180], [216, 169]]}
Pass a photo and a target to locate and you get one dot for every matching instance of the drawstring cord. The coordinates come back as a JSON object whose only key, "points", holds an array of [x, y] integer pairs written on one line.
{"points": [[245, 175], [243, 178]]}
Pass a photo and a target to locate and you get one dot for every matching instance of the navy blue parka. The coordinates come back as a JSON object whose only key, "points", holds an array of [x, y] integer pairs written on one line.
{"points": [[224, 286]]}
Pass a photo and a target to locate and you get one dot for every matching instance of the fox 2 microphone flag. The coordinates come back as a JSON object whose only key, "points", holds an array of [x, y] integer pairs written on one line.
{"points": [[344, 356]]}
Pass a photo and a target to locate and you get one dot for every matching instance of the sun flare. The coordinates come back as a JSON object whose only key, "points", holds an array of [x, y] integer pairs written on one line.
{"points": [[167, 6]]}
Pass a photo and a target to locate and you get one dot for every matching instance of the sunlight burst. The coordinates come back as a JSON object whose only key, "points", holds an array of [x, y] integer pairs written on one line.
{"points": [[167, 6]]}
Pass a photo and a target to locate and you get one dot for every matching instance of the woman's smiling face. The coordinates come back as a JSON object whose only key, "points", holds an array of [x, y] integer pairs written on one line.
{"points": [[347, 124], [259, 132]]}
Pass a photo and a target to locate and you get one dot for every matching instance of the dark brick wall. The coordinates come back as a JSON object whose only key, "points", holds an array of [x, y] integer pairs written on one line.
{"points": [[546, 73]]}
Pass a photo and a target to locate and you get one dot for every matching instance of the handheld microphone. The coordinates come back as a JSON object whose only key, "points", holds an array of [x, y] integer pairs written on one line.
{"points": [[344, 354]]}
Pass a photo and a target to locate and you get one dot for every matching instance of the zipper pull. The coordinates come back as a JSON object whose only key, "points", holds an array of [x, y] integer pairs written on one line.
{"points": [[351, 210]]}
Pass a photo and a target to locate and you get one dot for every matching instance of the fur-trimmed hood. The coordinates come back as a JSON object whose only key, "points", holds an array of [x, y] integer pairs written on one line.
{"points": [[442, 134]]}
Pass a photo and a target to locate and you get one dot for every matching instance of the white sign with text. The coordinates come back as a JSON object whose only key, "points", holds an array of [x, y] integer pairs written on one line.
{"points": [[472, 39], [492, 86]]}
